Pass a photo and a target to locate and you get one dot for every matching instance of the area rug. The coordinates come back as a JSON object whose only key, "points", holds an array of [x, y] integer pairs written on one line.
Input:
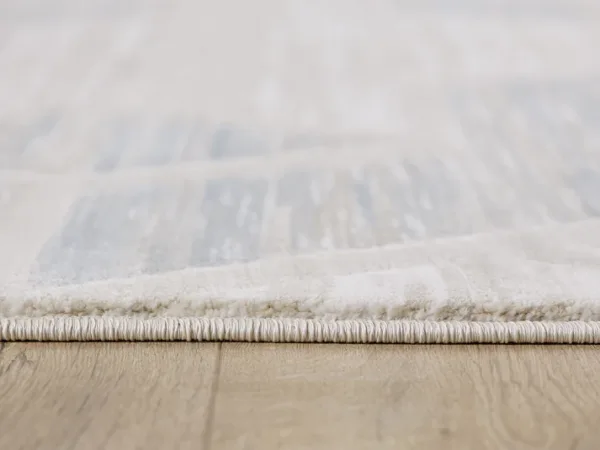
{"points": [[331, 171]]}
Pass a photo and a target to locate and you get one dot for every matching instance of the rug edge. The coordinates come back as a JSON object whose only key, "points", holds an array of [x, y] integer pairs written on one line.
{"points": [[279, 330]]}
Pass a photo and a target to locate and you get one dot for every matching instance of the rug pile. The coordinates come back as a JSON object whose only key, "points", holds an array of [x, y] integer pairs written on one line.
{"points": [[300, 171]]}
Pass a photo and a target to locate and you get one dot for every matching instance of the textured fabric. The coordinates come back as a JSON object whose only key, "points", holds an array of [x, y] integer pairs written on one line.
{"points": [[333, 163]]}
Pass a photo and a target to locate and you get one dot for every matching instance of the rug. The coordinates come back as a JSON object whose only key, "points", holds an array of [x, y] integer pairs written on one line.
{"points": [[300, 171]]}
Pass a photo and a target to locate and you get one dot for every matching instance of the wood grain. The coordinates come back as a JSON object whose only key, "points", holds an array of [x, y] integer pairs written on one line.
{"points": [[99, 396], [245, 396], [426, 397]]}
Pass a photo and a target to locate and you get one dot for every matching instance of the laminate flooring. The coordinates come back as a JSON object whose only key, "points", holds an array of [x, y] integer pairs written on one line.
{"points": [[270, 396]]}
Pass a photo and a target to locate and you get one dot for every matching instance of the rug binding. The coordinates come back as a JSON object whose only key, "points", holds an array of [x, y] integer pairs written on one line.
{"points": [[295, 330]]}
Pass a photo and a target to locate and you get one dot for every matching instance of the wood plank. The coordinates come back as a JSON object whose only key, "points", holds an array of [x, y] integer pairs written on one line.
{"points": [[426, 397], [155, 396], [105, 395]]}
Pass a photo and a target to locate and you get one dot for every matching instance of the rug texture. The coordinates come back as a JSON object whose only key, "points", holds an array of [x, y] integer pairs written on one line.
{"points": [[309, 171]]}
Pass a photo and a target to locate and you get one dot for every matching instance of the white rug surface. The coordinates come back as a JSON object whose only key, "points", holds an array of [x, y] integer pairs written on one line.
{"points": [[310, 171]]}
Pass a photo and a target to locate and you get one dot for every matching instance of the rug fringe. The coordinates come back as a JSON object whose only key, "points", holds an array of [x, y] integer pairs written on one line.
{"points": [[295, 330]]}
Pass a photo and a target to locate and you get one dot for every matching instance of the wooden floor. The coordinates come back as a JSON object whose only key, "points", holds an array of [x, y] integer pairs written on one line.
{"points": [[253, 396]]}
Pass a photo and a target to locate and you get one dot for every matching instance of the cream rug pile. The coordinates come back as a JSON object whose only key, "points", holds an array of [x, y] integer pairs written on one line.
{"points": [[310, 171]]}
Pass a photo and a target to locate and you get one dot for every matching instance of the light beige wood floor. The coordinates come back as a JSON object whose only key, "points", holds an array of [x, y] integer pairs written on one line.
{"points": [[243, 396]]}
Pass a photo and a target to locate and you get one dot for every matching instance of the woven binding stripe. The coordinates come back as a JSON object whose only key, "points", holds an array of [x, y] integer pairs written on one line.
{"points": [[294, 330]]}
